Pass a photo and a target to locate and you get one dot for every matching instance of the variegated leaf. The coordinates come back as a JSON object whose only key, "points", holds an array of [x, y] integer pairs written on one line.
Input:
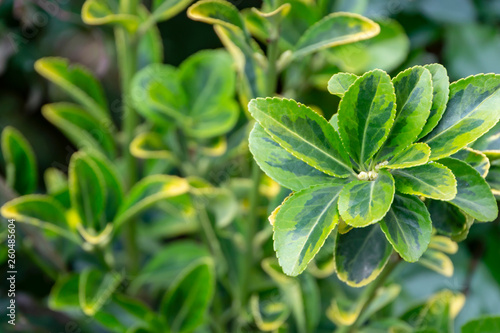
{"points": [[414, 155], [361, 254], [474, 195], [282, 166], [449, 220], [438, 262], [303, 133], [365, 202], [473, 108], [475, 159], [440, 91], [413, 89], [302, 225], [489, 143], [408, 227], [431, 180], [340, 82], [333, 30], [366, 114]]}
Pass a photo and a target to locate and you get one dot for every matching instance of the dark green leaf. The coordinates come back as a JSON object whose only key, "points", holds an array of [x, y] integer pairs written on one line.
{"points": [[475, 159]]}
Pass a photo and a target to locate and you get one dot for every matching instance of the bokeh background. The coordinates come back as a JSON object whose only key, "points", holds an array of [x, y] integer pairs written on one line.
{"points": [[464, 35]]}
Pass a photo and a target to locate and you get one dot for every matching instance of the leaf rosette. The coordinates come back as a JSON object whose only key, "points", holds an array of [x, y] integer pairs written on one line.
{"points": [[395, 149]]}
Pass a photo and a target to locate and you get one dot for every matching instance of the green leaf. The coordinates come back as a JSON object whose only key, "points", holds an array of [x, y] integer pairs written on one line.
{"points": [[473, 108], [362, 202], [169, 263], [78, 82], [440, 310], [95, 288], [87, 191], [366, 114], [98, 12], [303, 133], [20, 162], [282, 166], [146, 193], [64, 294], [440, 92], [303, 223], [166, 9], [474, 195], [438, 262], [340, 82], [431, 180], [113, 185], [150, 46], [185, 305], [361, 254], [489, 143], [41, 211], [493, 179], [408, 227], [150, 145], [386, 51], [449, 220], [484, 324], [81, 128], [443, 244], [208, 80], [217, 12], [414, 155], [413, 89], [269, 312], [475, 159], [333, 30]]}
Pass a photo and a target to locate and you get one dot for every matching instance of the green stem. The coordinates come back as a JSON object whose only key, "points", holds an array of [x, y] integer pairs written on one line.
{"points": [[126, 47]]}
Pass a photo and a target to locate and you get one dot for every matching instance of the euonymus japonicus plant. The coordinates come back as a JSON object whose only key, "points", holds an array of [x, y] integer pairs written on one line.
{"points": [[394, 147]]}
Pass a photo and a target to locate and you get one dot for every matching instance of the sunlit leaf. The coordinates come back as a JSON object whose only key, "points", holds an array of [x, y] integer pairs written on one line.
{"points": [[98, 12], [475, 159], [340, 82], [414, 155]]}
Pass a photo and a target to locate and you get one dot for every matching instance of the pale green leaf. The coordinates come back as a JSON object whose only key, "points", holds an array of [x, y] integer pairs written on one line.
{"points": [[408, 227], [414, 155], [166, 9], [413, 89], [431, 180], [95, 288], [150, 145], [473, 108], [303, 133], [440, 92], [340, 82], [366, 114], [302, 225], [98, 12], [333, 30], [282, 166], [217, 12], [362, 202]]}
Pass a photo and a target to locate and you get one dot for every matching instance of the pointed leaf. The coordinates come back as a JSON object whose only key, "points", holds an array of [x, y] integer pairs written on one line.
{"points": [[87, 191], [20, 162], [147, 192], [282, 166], [81, 128], [335, 29], [431, 180], [366, 114], [166, 9], [302, 225], [408, 227], [474, 195], [475, 159], [78, 82], [98, 12], [365, 202], [413, 89], [303, 133], [340, 82], [473, 108], [440, 92], [361, 254], [414, 155], [185, 305], [41, 211]]}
